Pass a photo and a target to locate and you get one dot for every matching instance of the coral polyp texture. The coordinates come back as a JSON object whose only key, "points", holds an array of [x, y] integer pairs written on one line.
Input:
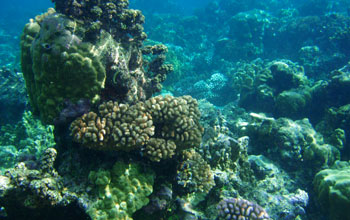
{"points": [[176, 119], [158, 149], [79, 53], [120, 191], [117, 126], [162, 125], [194, 173], [241, 209]]}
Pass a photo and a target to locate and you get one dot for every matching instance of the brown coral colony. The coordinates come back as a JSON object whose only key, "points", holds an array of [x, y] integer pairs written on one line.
{"points": [[159, 126]]}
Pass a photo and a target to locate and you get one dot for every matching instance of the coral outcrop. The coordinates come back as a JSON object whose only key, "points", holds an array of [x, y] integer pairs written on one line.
{"points": [[80, 53]]}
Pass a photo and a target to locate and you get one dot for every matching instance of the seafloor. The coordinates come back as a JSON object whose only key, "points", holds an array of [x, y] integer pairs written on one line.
{"points": [[162, 110]]}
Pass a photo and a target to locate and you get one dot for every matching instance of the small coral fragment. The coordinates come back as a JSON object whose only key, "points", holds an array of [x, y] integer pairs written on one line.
{"points": [[236, 208]]}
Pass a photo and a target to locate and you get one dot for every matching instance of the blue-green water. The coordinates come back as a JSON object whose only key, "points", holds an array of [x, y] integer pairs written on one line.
{"points": [[169, 109]]}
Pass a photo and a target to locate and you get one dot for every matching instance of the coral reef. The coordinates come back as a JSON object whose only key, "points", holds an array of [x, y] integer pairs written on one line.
{"points": [[224, 152], [24, 141], [158, 149], [117, 126], [276, 189], [65, 58], [159, 200], [265, 91], [294, 142], [36, 192], [215, 89], [236, 208], [335, 128], [89, 62], [57, 65], [41, 192], [120, 191]]}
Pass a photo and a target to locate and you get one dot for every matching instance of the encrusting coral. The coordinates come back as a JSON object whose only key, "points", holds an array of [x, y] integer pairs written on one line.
{"points": [[162, 124]]}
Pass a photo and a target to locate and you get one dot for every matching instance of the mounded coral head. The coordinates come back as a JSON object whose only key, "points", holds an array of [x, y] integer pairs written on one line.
{"points": [[158, 149], [176, 119], [57, 65]]}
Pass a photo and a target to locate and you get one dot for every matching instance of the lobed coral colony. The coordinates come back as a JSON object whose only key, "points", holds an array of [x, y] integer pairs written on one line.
{"points": [[163, 125]]}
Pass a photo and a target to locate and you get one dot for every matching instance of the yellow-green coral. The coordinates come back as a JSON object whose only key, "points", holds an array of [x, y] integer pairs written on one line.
{"points": [[120, 191], [57, 65]]}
